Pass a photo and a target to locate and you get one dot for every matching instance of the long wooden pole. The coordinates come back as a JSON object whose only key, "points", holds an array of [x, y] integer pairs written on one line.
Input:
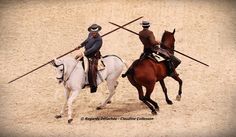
{"points": [[168, 48], [81, 45]]}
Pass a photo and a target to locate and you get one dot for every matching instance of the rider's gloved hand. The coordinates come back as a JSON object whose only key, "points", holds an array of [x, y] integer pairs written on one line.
{"points": [[80, 54], [156, 48]]}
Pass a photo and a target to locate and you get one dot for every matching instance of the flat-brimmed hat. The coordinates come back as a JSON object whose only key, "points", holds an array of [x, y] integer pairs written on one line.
{"points": [[145, 24], [94, 28]]}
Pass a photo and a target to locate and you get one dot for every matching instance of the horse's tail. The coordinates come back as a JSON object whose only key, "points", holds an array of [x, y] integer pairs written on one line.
{"points": [[126, 65], [127, 68], [130, 70], [122, 60]]}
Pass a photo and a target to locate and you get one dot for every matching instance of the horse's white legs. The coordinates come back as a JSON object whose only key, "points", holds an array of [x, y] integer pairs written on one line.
{"points": [[112, 84], [74, 94], [66, 92]]}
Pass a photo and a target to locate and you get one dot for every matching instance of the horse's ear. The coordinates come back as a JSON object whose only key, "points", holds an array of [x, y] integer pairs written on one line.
{"points": [[53, 62], [173, 31]]}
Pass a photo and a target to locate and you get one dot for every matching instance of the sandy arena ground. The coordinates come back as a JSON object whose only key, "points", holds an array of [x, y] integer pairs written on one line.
{"points": [[34, 32]]}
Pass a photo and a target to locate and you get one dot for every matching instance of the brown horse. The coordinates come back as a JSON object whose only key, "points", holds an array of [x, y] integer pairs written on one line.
{"points": [[147, 72]]}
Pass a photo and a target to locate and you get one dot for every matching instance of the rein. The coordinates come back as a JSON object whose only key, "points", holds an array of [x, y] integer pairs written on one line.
{"points": [[63, 72], [62, 77], [70, 73]]}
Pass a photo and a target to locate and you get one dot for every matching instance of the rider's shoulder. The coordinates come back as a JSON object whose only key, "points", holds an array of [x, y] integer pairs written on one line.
{"points": [[150, 31], [145, 31]]}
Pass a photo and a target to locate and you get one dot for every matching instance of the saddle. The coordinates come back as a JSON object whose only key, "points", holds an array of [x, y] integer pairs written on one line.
{"points": [[172, 62], [153, 56], [85, 64]]}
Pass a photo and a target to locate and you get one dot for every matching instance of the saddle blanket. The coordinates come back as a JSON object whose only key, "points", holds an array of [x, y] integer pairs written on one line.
{"points": [[158, 58], [101, 65]]}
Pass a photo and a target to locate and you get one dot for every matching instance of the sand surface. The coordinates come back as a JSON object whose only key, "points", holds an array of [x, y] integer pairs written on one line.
{"points": [[34, 32]]}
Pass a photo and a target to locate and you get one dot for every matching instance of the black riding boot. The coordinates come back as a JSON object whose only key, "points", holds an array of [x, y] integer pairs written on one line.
{"points": [[171, 68], [175, 61], [93, 89], [92, 75]]}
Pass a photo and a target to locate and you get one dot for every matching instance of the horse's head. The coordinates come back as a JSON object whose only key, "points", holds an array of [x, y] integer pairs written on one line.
{"points": [[60, 69], [168, 40]]}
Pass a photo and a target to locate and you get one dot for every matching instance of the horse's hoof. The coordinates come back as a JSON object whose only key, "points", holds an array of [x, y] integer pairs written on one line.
{"points": [[70, 120], [98, 108], [154, 112], [109, 102], [169, 102], [178, 97], [157, 109], [58, 116]]}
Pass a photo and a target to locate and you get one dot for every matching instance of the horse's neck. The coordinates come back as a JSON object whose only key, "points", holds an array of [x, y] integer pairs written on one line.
{"points": [[70, 64], [166, 41], [169, 47]]}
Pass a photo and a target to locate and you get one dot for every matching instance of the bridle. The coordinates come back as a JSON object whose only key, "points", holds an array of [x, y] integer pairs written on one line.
{"points": [[164, 43], [62, 78], [63, 70]]}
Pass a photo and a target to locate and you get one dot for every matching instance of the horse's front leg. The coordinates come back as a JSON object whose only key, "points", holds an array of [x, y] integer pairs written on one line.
{"points": [[74, 94], [176, 77], [168, 101], [66, 92], [111, 87]]}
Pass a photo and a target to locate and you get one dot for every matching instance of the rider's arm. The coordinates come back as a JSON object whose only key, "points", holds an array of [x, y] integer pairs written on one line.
{"points": [[152, 39], [84, 42]]}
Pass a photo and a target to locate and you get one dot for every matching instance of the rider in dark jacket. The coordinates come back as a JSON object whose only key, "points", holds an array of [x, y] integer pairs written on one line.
{"points": [[151, 45], [92, 51]]}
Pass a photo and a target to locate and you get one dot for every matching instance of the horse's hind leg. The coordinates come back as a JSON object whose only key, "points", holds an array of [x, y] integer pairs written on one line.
{"points": [[137, 86], [66, 92], [149, 90], [140, 93], [176, 77], [111, 84], [165, 92], [145, 100], [111, 87]]}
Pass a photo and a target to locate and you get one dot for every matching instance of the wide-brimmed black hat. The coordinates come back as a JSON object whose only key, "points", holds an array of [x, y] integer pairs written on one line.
{"points": [[145, 24], [94, 28]]}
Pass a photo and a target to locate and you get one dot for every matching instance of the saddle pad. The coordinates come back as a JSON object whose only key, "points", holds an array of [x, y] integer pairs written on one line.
{"points": [[158, 57], [85, 64]]}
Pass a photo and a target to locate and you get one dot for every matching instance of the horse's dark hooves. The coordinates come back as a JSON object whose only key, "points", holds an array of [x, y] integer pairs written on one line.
{"points": [[154, 112], [58, 116], [98, 108], [157, 108], [70, 120], [109, 102], [169, 102], [178, 97]]}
